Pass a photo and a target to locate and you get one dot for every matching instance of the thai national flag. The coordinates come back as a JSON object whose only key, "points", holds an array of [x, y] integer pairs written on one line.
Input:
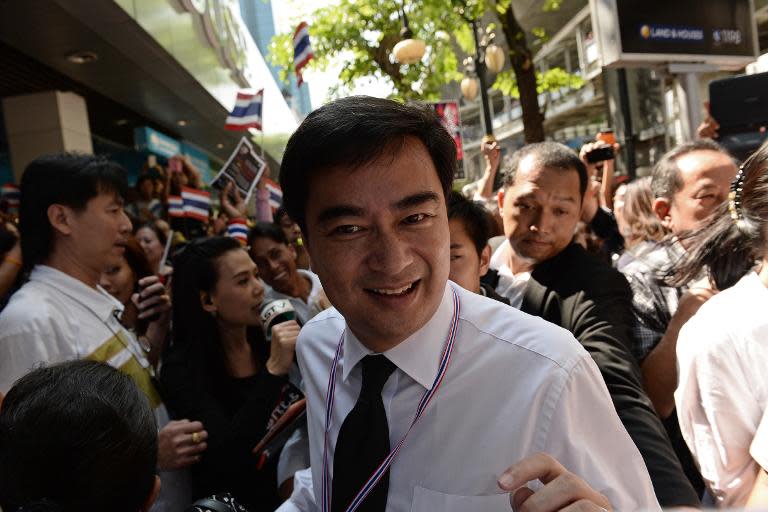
{"points": [[175, 206], [10, 197], [302, 50], [275, 194], [238, 229], [247, 112], [197, 203]]}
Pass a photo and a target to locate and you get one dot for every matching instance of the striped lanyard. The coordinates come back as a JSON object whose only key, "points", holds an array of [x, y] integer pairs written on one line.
{"points": [[425, 399]]}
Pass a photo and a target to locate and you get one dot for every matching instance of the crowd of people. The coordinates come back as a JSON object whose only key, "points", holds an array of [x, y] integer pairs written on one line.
{"points": [[553, 338]]}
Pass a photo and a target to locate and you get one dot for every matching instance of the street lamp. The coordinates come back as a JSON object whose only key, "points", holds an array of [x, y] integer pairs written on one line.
{"points": [[408, 50], [488, 57]]}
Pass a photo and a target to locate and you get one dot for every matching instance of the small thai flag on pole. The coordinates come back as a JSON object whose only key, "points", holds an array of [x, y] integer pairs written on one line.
{"points": [[302, 50], [175, 207], [275, 194], [247, 111], [197, 203], [10, 197]]}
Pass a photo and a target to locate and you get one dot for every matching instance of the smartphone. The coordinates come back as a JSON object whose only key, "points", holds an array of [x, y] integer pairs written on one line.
{"points": [[601, 154], [151, 318]]}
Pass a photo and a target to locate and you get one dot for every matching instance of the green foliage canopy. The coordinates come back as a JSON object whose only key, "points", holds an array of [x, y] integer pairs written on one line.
{"points": [[362, 33]]}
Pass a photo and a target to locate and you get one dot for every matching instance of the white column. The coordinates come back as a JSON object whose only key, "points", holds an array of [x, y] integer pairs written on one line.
{"points": [[45, 122]]}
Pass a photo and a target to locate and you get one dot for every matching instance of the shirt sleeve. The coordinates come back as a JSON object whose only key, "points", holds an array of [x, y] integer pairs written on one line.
{"points": [[716, 408], [602, 322], [24, 348], [759, 447], [587, 437], [303, 497]]}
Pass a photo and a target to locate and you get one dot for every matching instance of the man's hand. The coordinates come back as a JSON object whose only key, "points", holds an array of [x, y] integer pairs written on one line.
{"points": [[708, 129], [233, 209], [562, 490], [153, 298], [591, 201], [492, 155], [283, 347], [604, 192], [180, 444]]}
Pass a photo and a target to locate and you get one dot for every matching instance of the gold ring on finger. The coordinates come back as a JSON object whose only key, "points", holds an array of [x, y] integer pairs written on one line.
{"points": [[195, 437]]}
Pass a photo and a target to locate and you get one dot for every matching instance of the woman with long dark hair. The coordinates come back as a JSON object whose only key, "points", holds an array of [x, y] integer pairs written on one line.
{"points": [[722, 351], [219, 369]]}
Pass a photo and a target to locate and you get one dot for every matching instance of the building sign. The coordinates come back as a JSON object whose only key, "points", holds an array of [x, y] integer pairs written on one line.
{"points": [[219, 20], [720, 32], [152, 141]]}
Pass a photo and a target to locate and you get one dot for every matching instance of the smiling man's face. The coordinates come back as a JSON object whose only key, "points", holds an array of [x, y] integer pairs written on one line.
{"points": [[379, 241]]}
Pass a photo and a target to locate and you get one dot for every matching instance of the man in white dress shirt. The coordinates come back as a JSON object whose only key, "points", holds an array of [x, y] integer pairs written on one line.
{"points": [[516, 411], [72, 227]]}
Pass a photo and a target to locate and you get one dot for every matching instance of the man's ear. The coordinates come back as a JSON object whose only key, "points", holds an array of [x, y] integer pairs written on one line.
{"points": [[485, 260], [60, 218], [152, 495], [500, 200], [661, 207], [207, 303]]}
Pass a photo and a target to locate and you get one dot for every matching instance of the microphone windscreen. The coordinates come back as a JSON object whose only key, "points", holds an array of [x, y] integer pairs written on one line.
{"points": [[276, 312]]}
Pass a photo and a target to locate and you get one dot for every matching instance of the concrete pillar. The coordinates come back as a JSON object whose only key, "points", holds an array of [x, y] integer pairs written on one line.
{"points": [[45, 122], [690, 104]]}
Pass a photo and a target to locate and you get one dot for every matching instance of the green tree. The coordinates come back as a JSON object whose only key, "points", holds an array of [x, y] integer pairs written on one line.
{"points": [[362, 34]]}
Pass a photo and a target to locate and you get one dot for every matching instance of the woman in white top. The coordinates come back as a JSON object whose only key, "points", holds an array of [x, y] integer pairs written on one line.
{"points": [[722, 352]]}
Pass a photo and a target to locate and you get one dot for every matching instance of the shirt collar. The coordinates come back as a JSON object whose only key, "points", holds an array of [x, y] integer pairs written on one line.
{"points": [[97, 300], [500, 257], [418, 355]]}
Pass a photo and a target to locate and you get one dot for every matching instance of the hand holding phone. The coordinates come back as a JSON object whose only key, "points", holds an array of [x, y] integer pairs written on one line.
{"points": [[600, 154], [152, 299]]}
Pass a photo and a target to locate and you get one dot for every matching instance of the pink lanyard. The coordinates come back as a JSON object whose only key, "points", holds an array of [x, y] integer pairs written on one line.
{"points": [[425, 399]]}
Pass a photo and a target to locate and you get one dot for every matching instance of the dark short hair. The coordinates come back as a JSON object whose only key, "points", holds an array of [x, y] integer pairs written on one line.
{"points": [[267, 230], [552, 155], [666, 181], [76, 436], [351, 132], [68, 179], [144, 177], [473, 216], [279, 214]]}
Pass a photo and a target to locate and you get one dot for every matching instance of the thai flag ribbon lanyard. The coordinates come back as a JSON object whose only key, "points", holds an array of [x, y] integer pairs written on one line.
{"points": [[425, 399]]}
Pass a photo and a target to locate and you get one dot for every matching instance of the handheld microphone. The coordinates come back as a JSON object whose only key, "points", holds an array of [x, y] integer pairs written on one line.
{"points": [[276, 312]]}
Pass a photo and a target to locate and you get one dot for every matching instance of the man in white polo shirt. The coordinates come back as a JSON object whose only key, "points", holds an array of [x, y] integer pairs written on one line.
{"points": [[72, 226]]}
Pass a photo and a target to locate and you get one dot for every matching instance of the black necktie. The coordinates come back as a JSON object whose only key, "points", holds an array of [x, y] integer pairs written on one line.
{"points": [[363, 442]]}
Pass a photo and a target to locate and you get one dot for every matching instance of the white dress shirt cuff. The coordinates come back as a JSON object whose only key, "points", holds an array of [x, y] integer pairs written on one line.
{"points": [[303, 498]]}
